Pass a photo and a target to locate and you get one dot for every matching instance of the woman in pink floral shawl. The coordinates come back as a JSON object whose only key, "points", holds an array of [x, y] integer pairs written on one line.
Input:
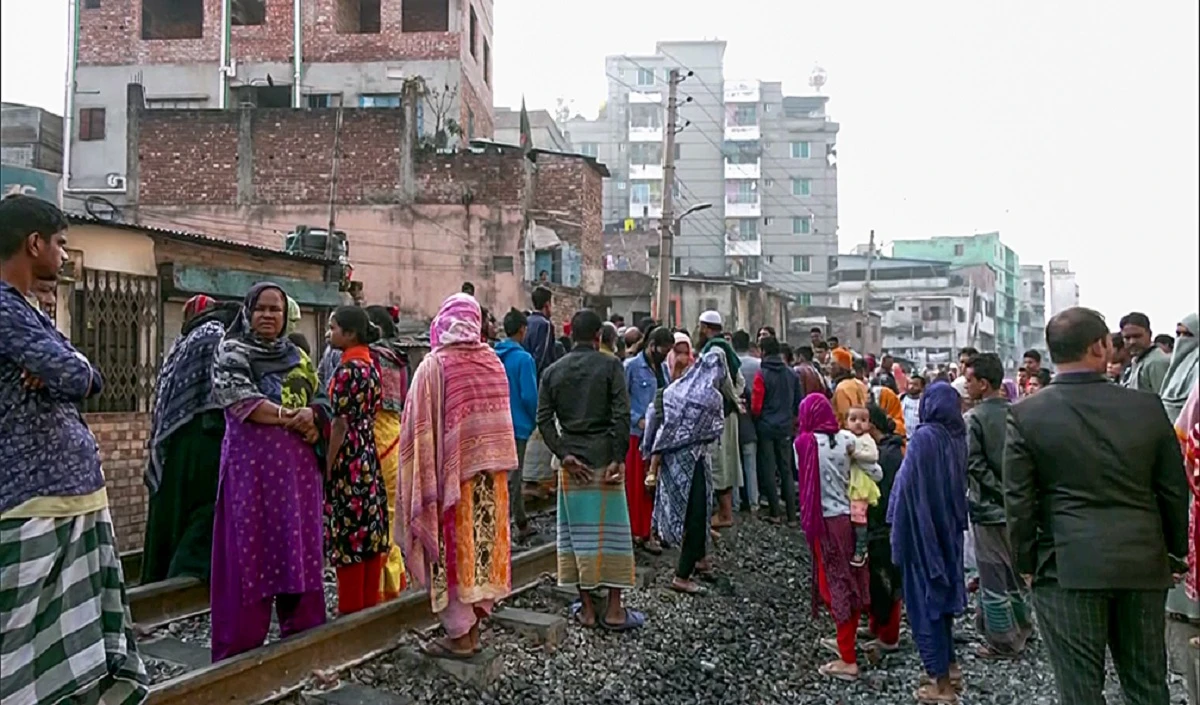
{"points": [[456, 448]]}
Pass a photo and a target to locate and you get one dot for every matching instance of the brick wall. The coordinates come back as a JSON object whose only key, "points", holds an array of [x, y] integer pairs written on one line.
{"points": [[112, 35], [193, 157], [122, 439], [187, 153], [571, 185]]}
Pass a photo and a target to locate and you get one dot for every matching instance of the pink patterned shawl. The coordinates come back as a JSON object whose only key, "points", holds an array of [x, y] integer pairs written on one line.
{"points": [[456, 424], [815, 416], [1187, 427]]}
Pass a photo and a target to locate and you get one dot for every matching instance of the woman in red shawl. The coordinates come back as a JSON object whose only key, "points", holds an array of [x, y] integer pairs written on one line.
{"points": [[824, 473]]}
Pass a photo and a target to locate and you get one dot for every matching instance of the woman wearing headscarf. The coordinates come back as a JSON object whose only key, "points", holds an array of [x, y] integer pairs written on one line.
{"points": [[356, 521], [1181, 378], [824, 475], [391, 361], [890, 404], [186, 430], [681, 426], [680, 357], [456, 448], [885, 614], [267, 530], [928, 513], [1187, 427]]}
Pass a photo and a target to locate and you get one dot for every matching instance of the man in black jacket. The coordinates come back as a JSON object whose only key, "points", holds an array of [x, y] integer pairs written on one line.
{"points": [[774, 398], [1004, 615], [1097, 501]]}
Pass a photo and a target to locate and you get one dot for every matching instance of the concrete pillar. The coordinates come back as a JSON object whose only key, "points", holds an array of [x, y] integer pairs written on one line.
{"points": [[412, 94], [245, 151]]}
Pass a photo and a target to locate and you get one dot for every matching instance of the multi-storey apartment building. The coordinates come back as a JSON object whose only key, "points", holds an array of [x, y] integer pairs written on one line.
{"points": [[981, 249], [763, 160], [1064, 290], [1032, 314], [269, 54], [930, 310]]}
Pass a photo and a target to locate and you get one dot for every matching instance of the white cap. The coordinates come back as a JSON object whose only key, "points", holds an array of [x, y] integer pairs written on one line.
{"points": [[711, 318]]}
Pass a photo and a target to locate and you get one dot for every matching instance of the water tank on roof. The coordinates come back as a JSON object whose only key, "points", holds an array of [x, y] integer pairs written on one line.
{"points": [[317, 242]]}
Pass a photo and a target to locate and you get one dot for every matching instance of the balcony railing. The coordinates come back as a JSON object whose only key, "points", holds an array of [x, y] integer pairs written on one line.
{"points": [[738, 206], [750, 170], [645, 172], [645, 133], [742, 133]]}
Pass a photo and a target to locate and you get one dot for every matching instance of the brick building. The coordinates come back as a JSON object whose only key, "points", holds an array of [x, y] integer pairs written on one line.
{"points": [[419, 221], [268, 54]]}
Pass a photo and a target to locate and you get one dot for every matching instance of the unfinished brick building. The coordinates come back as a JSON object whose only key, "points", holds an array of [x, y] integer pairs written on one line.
{"points": [[193, 54]]}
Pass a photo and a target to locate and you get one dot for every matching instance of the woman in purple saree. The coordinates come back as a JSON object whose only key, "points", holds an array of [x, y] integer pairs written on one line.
{"points": [[267, 535]]}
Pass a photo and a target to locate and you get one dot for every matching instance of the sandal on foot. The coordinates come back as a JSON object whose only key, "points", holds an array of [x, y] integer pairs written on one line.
{"points": [[928, 695], [830, 644], [633, 620], [885, 648], [987, 653], [440, 649], [690, 588], [836, 669], [654, 548], [956, 681], [576, 610]]}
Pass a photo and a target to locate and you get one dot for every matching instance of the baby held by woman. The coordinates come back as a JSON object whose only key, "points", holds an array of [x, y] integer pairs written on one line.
{"points": [[864, 473]]}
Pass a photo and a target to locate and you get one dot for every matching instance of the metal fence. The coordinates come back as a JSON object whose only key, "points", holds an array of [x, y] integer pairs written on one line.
{"points": [[115, 322]]}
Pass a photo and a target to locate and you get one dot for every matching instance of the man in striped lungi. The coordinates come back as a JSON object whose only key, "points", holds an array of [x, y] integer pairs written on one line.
{"points": [[65, 630]]}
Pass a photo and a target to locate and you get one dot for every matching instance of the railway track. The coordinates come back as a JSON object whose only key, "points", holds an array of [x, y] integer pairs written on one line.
{"points": [[275, 669], [155, 604]]}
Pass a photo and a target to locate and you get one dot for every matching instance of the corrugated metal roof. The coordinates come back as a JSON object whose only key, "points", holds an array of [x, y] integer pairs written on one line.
{"points": [[200, 239]]}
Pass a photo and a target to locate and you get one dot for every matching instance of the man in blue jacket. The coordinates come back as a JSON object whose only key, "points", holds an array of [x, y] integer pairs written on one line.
{"points": [[523, 399], [539, 338]]}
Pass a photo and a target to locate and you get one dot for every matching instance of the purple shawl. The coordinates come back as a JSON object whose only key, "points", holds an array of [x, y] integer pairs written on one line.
{"points": [[815, 416], [928, 505]]}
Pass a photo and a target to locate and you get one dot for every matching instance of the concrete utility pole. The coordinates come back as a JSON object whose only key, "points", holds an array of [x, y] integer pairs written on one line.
{"points": [[866, 297], [666, 227]]}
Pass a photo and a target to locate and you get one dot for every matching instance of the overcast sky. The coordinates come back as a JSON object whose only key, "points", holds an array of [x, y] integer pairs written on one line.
{"points": [[1069, 126]]}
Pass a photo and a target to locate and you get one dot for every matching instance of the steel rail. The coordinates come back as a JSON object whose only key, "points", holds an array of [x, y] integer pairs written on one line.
{"points": [[265, 672]]}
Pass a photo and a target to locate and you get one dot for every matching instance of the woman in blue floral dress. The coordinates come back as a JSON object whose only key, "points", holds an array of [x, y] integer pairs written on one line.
{"points": [[356, 517]]}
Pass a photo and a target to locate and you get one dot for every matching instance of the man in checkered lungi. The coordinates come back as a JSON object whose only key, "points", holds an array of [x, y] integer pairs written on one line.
{"points": [[65, 630], [1096, 500]]}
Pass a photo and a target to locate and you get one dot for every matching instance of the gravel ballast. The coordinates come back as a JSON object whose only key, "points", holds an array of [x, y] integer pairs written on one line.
{"points": [[751, 640]]}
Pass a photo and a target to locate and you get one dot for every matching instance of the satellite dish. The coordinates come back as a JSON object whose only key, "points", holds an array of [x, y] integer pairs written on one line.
{"points": [[817, 78]]}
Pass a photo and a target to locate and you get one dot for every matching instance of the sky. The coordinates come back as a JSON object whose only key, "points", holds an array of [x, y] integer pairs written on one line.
{"points": [[1069, 126]]}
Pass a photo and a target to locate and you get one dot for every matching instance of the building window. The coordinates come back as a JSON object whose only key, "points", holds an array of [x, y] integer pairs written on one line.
{"points": [[91, 4], [248, 12], [768, 220], [474, 34], [858, 330], [646, 153], [324, 100], [804, 299], [800, 150], [379, 100], [172, 19], [958, 250], [745, 229], [677, 266], [91, 124], [175, 103], [645, 77], [588, 149], [422, 15], [768, 183], [502, 264], [801, 225], [645, 116], [487, 63], [801, 187], [470, 124], [801, 263]]}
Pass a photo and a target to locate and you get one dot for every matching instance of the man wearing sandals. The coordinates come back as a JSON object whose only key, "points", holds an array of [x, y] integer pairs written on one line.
{"points": [[583, 414], [1097, 501]]}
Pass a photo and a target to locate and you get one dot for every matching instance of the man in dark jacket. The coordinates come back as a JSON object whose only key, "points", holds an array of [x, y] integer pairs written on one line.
{"points": [[539, 333], [1003, 614], [1097, 502], [774, 398]]}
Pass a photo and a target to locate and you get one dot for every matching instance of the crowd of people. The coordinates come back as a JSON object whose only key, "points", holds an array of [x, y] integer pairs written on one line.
{"points": [[913, 488]]}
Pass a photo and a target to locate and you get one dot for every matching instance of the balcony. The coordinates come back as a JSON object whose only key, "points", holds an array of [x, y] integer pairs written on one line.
{"points": [[737, 247], [749, 170], [646, 172], [741, 91], [742, 133], [642, 133], [742, 207], [645, 209], [638, 98]]}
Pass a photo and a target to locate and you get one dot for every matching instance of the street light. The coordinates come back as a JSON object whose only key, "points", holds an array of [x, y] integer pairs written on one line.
{"points": [[664, 264], [694, 209]]}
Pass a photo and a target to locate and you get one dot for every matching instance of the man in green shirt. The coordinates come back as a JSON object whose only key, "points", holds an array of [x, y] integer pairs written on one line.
{"points": [[1148, 363]]}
